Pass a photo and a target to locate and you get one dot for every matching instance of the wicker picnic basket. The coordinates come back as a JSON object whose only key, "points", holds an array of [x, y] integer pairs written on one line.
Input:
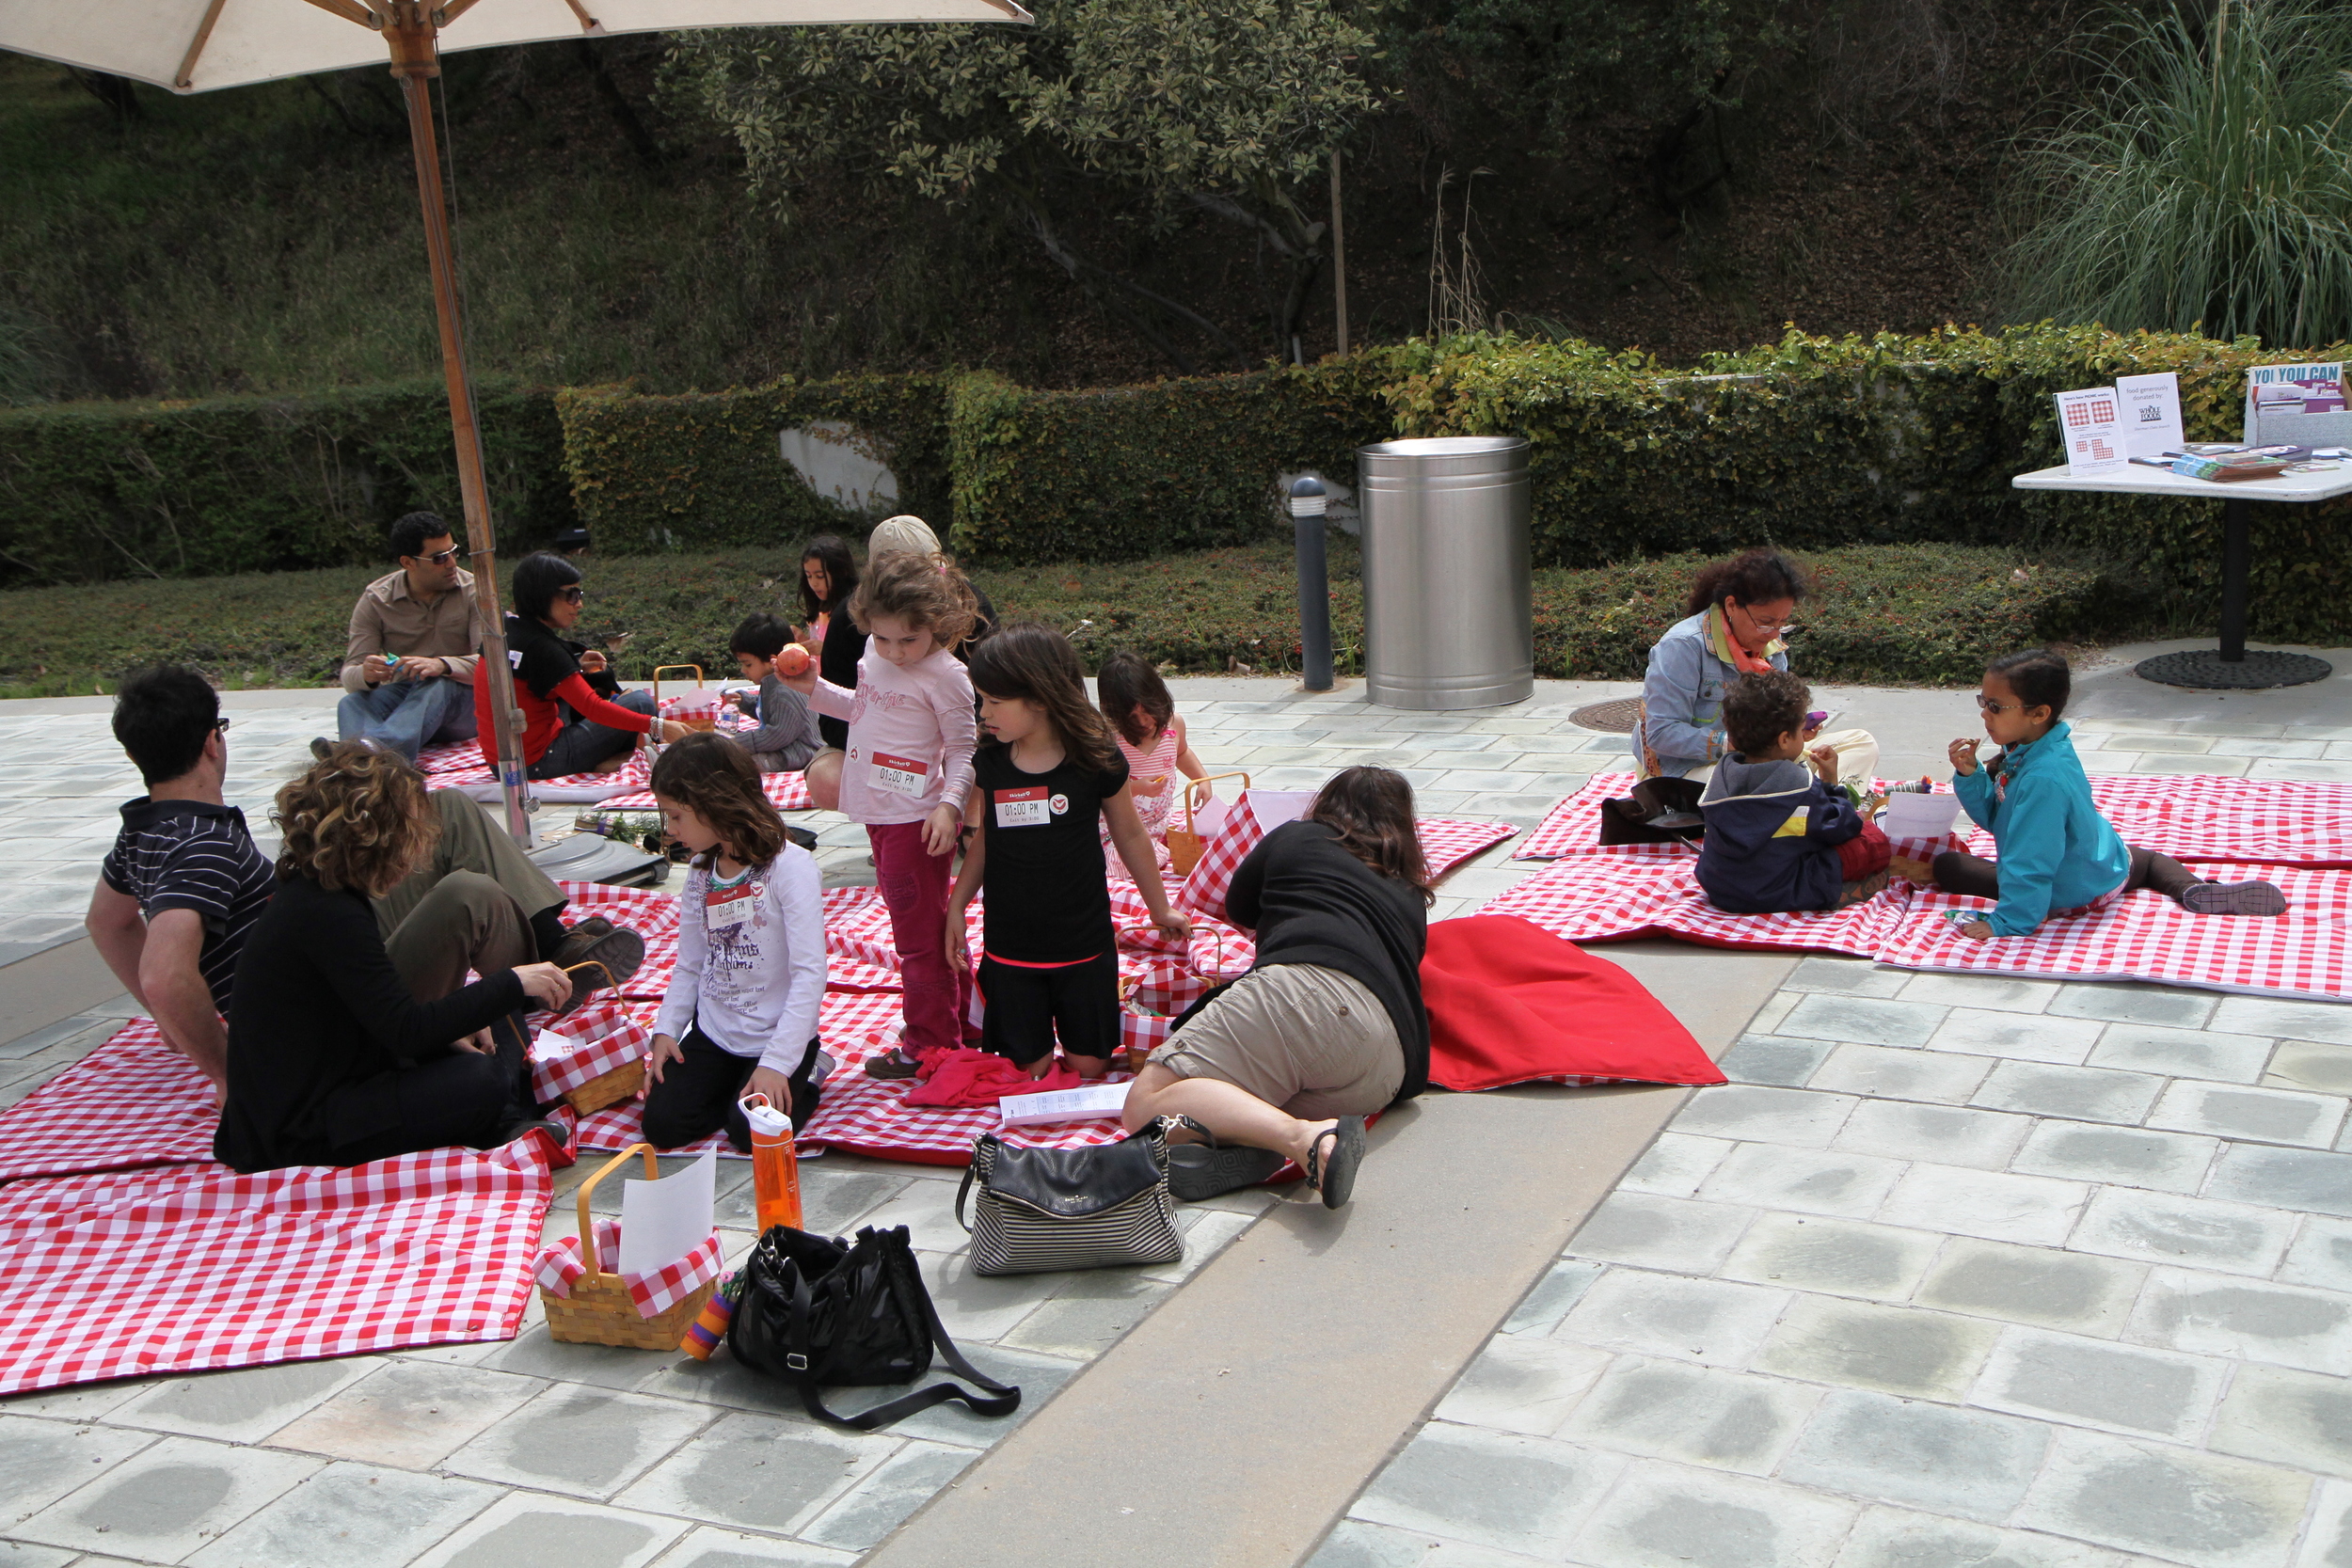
{"points": [[609, 1087], [1185, 845], [599, 1311]]}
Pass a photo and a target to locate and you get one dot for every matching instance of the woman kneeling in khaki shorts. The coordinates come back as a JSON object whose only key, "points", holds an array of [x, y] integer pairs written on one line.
{"points": [[1328, 1026]]}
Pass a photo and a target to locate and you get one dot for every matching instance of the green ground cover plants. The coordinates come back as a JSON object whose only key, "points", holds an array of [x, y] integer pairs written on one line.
{"points": [[1927, 614]]}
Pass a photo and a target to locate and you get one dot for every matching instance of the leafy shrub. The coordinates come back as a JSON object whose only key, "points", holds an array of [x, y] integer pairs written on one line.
{"points": [[93, 490]]}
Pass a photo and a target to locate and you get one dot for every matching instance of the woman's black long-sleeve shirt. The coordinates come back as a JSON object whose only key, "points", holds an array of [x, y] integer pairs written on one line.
{"points": [[319, 1006]]}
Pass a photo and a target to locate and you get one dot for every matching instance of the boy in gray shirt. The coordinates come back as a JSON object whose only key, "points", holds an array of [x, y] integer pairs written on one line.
{"points": [[787, 736]]}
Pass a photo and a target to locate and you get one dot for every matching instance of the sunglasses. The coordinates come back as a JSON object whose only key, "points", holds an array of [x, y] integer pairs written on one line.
{"points": [[441, 558], [572, 596], [1991, 706], [221, 725]]}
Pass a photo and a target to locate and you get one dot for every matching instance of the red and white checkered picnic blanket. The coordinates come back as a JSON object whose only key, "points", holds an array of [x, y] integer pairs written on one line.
{"points": [[1445, 842], [454, 766], [785, 791], [2145, 936], [561, 1263], [1609, 896], [193, 1267], [133, 1102]]}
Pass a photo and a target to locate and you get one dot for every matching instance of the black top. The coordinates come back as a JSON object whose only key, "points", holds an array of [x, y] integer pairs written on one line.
{"points": [[1310, 902], [837, 661], [320, 1007], [1048, 897], [194, 855], [542, 660]]}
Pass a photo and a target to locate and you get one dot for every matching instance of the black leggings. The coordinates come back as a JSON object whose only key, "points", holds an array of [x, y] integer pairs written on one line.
{"points": [[1956, 872], [460, 1098], [1027, 1006], [702, 1094]]}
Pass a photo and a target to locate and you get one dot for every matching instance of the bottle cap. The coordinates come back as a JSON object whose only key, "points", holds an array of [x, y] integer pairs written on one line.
{"points": [[765, 1118]]}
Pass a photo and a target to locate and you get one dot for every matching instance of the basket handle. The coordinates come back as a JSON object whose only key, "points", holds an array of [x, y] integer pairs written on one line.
{"points": [[657, 680], [1202, 786], [587, 1227]]}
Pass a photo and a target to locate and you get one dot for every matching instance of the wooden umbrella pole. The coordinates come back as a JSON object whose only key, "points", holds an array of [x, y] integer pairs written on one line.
{"points": [[415, 61]]}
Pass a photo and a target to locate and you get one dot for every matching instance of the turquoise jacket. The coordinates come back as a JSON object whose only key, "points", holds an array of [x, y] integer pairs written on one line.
{"points": [[2056, 852]]}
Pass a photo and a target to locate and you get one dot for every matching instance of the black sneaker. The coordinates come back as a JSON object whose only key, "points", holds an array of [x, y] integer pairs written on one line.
{"points": [[1196, 1171], [2234, 898], [596, 941], [800, 836]]}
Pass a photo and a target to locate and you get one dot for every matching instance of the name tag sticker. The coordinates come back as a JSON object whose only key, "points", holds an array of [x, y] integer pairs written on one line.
{"points": [[1023, 808], [724, 907], [900, 775]]}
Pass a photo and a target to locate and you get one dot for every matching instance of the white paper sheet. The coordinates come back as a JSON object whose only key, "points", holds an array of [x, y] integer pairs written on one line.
{"points": [[2152, 413], [664, 1220], [2091, 423], [1037, 1109]]}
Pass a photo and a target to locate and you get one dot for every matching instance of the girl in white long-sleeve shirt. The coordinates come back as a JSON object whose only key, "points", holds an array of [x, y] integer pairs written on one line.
{"points": [[739, 1016]]}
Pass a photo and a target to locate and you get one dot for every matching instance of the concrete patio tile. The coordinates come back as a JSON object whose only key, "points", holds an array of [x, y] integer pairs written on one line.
{"points": [[2182, 744], [1981, 991], [1674, 1165], [707, 1547], [2285, 1325], [1797, 1117], [2183, 1052], [2280, 1018], [2309, 1065], [2124, 1156], [833, 1202], [23, 1554], [1665, 1516], [1891, 1350], [1833, 1255], [2159, 1227], [1846, 976], [1489, 1488], [755, 1472], [1523, 1383], [1776, 1007], [2231, 768], [1707, 1321], [981, 1306], [1926, 1455], [1540, 1310], [1691, 1415], [2098, 1382], [583, 1442], [2289, 1177], [526, 1529], [353, 1515], [1943, 1134], [2321, 1256], [2020, 1036], [1865, 1021], [533, 1353], [1994, 1205], [2034, 1285], [240, 1406], [1355, 1543], [1759, 1058], [2267, 1116], [1898, 1075], [84, 1403], [409, 1415], [1660, 1232], [2082, 1093], [168, 1502], [2302, 1419], [1766, 1175], [45, 1460], [1087, 1316], [2185, 1506], [1893, 1538], [1038, 1377]]}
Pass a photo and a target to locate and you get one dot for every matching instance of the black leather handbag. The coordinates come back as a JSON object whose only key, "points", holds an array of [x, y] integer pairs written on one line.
{"points": [[1660, 811], [817, 1311], [1090, 1208]]}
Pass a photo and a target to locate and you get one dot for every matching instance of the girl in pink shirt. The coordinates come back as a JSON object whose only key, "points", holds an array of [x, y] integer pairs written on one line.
{"points": [[905, 774]]}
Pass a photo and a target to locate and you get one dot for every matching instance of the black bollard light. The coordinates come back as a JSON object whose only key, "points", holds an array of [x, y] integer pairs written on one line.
{"points": [[1308, 503]]}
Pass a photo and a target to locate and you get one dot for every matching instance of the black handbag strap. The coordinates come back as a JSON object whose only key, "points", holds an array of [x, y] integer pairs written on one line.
{"points": [[1005, 1399]]}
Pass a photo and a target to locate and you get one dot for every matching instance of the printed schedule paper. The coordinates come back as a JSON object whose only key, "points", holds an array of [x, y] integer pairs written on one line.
{"points": [[1039, 1110]]}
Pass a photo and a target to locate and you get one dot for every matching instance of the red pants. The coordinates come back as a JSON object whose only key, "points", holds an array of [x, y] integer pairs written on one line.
{"points": [[1866, 854], [914, 885]]}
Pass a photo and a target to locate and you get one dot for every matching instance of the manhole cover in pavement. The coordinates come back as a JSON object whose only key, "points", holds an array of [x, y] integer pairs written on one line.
{"points": [[1612, 718], [2204, 670]]}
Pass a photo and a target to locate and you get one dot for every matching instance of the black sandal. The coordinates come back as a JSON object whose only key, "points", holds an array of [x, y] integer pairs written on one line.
{"points": [[1211, 1168], [1335, 1177]]}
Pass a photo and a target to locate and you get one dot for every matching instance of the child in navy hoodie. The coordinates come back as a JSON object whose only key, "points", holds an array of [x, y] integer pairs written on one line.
{"points": [[1779, 836]]}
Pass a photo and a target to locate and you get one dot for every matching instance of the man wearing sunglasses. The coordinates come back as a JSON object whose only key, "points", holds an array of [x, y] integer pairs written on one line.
{"points": [[408, 665]]}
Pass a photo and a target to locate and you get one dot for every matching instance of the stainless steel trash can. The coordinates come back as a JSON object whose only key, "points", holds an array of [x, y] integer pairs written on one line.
{"points": [[1449, 619]]}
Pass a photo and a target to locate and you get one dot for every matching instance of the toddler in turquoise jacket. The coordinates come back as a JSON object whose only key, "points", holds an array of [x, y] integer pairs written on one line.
{"points": [[2057, 854]]}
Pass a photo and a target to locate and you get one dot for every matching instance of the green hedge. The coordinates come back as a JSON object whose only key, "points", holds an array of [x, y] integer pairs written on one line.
{"points": [[1136, 471], [701, 469], [94, 491]]}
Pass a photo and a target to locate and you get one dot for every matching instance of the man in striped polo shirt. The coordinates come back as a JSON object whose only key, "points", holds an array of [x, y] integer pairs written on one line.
{"points": [[184, 881]]}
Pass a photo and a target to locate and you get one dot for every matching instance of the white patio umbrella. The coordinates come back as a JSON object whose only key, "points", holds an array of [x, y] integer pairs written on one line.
{"points": [[198, 45]]}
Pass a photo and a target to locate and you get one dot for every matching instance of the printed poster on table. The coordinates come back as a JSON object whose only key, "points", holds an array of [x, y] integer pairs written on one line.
{"points": [[2152, 414], [2296, 405], [2090, 421]]}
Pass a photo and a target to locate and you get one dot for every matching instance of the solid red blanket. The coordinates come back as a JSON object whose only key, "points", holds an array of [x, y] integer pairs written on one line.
{"points": [[1509, 1003]]}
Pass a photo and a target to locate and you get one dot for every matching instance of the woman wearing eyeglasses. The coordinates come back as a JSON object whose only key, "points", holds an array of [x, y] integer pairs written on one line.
{"points": [[1734, 623], [567, 728]]}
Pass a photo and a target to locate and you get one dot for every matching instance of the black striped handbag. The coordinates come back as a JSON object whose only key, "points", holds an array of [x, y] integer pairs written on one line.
{"points": [[1093, 1208]]}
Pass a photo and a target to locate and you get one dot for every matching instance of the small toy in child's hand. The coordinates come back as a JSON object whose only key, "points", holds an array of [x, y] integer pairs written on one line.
{"points": [[1815, 720], [792, 660]]}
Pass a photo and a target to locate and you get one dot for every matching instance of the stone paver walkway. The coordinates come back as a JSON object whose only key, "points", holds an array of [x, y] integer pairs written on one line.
{"points": [[1958, 1271]]}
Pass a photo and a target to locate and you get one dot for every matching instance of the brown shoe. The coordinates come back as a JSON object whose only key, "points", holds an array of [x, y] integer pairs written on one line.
{"points": [[596, 953], [892, 1064]]}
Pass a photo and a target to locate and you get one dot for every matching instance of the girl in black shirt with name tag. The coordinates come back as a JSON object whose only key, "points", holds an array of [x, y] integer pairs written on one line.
{"points": [[1046, 771]]}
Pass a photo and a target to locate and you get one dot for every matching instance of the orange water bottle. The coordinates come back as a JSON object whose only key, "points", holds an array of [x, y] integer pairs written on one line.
{"points": [[775, 1170]]}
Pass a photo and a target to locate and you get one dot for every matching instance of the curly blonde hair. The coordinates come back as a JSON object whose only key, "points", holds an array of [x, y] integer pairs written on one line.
{"points": [[924, 591], [357, 819]]}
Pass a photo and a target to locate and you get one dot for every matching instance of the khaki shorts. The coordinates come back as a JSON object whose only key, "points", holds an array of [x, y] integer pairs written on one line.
{"points": [[1311, 1040]]}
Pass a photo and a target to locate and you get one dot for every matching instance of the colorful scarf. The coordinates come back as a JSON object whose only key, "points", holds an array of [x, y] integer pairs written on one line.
{"points": [[1731, 650]]}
